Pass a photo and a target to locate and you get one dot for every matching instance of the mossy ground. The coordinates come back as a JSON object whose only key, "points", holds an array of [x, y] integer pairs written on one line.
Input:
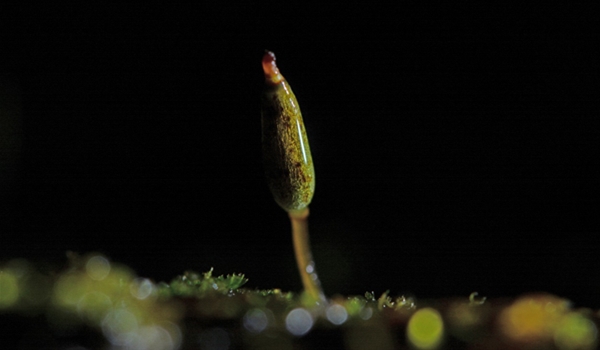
{"points": [[95, 304]]}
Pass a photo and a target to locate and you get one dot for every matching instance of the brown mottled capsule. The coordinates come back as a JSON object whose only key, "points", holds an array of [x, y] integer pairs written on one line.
{"points": [[286, 154]]}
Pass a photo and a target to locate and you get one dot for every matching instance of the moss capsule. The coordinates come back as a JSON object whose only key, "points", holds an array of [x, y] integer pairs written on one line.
{"points": [[286, 154]]}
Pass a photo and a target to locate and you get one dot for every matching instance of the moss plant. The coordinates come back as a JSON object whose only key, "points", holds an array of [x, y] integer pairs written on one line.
{"points": [[289, 166], [94, 303]]}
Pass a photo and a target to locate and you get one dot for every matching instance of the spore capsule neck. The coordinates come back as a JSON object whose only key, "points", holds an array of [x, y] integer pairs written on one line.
{"points": [[272, 74]]}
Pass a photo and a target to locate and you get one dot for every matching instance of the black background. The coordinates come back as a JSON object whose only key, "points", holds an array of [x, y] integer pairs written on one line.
{"points": [[456, 149]]}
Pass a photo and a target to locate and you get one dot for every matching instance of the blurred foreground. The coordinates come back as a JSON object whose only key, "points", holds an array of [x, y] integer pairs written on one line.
{"points": [[94, 303]]}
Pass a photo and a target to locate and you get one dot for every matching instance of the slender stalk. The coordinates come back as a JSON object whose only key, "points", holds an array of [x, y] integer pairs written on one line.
{"points": [[304, 259]]}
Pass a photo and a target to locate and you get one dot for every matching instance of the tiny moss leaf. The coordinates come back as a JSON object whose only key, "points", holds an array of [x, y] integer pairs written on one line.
{"points": [[474, 300], [233, 281], [385, 301]]}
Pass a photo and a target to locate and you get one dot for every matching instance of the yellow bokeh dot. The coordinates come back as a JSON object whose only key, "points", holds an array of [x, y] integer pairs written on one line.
{"points": [[9, 289], [532, 319], [425, 329]]}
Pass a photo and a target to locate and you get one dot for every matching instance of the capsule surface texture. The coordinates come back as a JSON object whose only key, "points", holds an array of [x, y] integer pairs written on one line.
{"points": [[286, 154]]}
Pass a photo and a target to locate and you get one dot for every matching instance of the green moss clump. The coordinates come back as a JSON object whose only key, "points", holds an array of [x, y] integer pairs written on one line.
{"points": [[193, 284]]}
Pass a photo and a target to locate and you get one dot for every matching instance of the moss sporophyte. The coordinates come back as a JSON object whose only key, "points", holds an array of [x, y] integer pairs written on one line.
{"points": [[289, 166]]}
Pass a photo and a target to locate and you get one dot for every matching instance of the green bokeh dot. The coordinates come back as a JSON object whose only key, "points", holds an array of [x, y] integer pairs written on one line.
{"points": [[9, 289], [425, 329]]}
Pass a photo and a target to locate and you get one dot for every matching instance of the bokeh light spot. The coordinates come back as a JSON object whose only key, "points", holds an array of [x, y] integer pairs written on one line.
{"points": [[9, 289], [532, 318], [69, 289], [94, 305], [255, 320], [119, 326], [298, 321], [336, 314], [152, 337], [575, 331], [366, 313], [97, 267], [425, 329], [141, 288]]}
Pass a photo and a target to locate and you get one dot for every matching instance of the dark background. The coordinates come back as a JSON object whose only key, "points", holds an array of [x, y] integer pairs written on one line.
{"points": [[456, 149]]}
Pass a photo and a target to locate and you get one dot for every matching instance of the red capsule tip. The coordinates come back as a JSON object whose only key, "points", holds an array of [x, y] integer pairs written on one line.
{"points": [[272, 74]]}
